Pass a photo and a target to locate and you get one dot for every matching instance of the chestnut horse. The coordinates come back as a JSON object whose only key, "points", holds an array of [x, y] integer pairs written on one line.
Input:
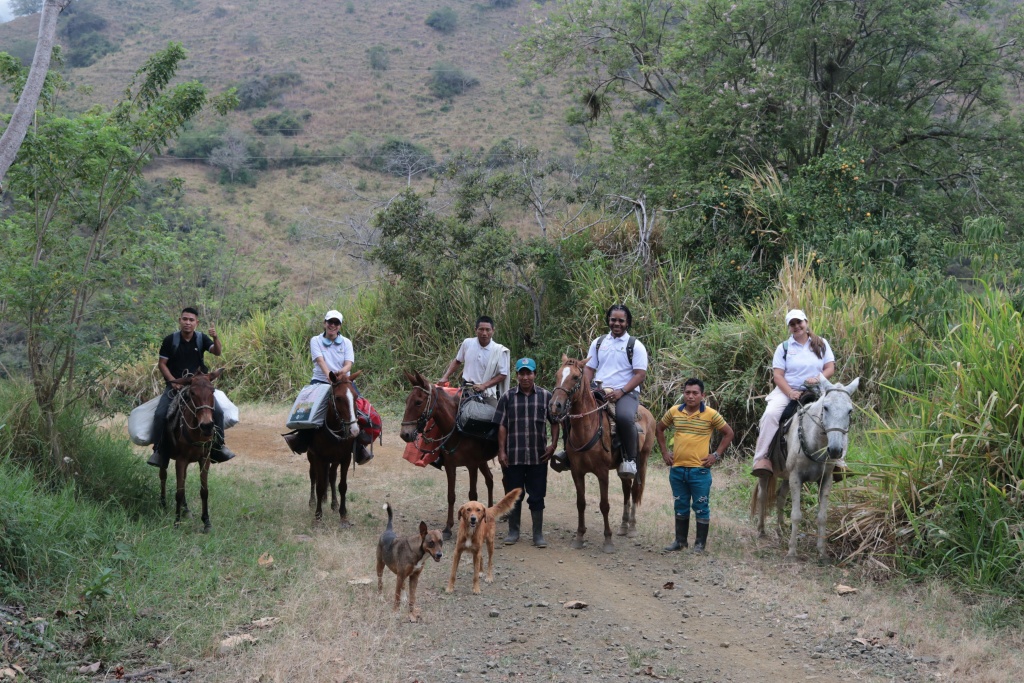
{"points": [[587, 427], [189, 439], [427, 403], [329, 449]]}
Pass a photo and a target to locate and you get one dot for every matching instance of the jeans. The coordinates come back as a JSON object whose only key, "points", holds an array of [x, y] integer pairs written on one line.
{"points": [[625, 423], [691, 486], [532, 478]]}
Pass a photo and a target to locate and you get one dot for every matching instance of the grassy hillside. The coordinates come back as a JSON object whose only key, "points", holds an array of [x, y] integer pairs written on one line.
{"points": [[293, 214]]}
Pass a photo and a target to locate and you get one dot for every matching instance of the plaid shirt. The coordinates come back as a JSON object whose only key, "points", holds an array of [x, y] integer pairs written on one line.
{"points": [[523, 418]]}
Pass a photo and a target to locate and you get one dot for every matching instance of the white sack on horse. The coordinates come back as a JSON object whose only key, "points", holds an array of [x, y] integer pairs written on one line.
{"points": [[310, 407], [229, 409], [140, 423]]}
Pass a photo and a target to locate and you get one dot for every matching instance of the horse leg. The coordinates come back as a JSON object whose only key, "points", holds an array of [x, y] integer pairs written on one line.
{"points": [[780, 503], [489, 480], [180, 470], [321, 490], [449, 470], [204, 493], [312, 482], [627, 491], [795, 515], [332, 477], [606, 507], [342, 489], [473, 469], [581, 506], [762, 504], [163, 487], [824, 489]]}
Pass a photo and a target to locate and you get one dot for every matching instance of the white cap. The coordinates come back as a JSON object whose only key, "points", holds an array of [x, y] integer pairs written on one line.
{"points": [[795, 314], [331, 314]]}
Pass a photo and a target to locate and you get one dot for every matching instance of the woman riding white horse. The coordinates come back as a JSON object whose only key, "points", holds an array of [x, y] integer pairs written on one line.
{"points": [[799, 362]]}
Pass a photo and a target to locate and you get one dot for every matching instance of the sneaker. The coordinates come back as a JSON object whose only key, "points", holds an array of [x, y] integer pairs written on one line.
{"points": [[627, 469]]}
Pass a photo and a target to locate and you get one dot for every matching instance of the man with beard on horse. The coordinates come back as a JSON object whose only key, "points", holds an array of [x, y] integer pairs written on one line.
{"points": [[486, 366], [618, 363], [182, 354]]}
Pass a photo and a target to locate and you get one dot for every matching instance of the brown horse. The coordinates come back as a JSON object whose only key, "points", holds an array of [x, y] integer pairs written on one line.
{"points": [[189, 439], [330, 446], [587, 427], [426, 404]]}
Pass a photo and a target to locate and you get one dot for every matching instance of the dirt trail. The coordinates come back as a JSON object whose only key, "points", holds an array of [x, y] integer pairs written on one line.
{"points": [[720, 621]]}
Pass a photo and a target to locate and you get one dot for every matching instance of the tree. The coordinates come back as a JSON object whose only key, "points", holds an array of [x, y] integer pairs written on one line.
{"points": [[443, 20], [75, 256], [233, 155], [33, 85], [24, 8]]}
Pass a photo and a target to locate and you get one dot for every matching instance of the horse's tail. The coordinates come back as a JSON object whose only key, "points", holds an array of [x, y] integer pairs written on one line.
{"points": [[387, 506], [770, 493], [640, 479]]}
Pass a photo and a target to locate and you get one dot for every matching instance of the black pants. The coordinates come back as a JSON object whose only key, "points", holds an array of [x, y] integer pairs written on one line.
{"points": [[160, 420], [532, 478], [625, 424]]}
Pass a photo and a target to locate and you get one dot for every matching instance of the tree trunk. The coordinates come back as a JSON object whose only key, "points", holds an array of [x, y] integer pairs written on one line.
{"points": [[25, 110]]}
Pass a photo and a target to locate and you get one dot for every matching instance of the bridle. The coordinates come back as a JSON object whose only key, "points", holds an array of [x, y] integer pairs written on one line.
{"points": [[569, 393], [186, 404], [344, 432], [425, 417], [568, 417], [819, 456]]}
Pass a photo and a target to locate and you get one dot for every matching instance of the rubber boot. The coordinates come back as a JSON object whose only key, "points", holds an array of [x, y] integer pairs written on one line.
{"points": [[439, 462], [538, 528], [513, 523], [158, 460], [682, 531], [702, 537], [221, 453]]}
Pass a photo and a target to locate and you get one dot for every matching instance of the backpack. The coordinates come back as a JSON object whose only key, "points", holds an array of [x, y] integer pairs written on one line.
{"points": [[370, 424], [176, 341]]}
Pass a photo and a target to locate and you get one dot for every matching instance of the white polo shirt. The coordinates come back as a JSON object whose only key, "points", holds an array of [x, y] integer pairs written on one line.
{"points": [[475, 359], [800, 362], [335, 354], [613, 368]]}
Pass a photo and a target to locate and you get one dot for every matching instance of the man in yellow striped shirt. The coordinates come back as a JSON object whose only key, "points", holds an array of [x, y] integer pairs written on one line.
{"points": [[691, 460]]}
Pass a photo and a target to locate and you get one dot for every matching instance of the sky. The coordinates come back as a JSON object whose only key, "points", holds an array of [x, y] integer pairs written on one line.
{"points": [[5, 12]]}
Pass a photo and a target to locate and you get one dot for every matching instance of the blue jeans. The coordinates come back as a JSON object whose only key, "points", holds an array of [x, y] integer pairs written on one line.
{"points": [[691, 486]]}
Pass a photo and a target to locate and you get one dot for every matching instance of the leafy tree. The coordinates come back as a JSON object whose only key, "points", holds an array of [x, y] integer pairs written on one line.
{"points": [[379, 58], [443, 20], [448, 80], [24, 8], [232, 156], [74, 255], [287, 123]]}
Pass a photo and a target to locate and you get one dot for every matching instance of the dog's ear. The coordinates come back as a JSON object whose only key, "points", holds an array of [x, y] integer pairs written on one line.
{"points": [[460, 513], [423, 529]]}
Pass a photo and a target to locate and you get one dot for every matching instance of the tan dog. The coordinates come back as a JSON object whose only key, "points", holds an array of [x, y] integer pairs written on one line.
{"points": [[476, 527], [406, 557]]}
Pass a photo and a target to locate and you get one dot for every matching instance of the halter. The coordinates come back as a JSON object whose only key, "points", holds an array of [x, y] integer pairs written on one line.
{"points": [[568, 417], [819, 456], [425, 417], [185, 403], [575, 387]]}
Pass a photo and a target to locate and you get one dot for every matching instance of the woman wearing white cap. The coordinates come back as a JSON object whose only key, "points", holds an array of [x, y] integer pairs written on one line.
{"points": [[331, 352], [799, 361]]}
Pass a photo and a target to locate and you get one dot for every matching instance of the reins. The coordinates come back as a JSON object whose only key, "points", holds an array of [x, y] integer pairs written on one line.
{"points": [[345, 425], [425, 418], [819, 456], [185, 404], [569, 417]]}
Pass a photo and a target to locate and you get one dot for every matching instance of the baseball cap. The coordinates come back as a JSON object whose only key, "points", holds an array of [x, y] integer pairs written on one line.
{"points": [[331, 314], [527, 363], [795, 314]]}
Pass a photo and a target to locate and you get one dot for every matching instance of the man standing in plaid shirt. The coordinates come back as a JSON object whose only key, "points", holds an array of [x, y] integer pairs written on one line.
{"points": [[523, 449]]}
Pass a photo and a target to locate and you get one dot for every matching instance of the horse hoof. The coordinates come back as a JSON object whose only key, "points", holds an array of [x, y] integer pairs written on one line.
{"points": [[623, 530], [186, 513], [446, 534], [345, 524], [608, 547], [207, 528], [334, 507], [312, 504], [632, 533], [577, 543]]}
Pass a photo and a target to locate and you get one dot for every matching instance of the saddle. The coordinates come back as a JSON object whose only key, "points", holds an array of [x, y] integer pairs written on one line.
{"points": [[476, 418], [779, 450], [601, 397]]}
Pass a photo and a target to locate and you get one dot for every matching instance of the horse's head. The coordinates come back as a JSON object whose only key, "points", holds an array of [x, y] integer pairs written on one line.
{"points": [[418, 406], [199, 403], [836, 412], [568, 382], [344, 396]]}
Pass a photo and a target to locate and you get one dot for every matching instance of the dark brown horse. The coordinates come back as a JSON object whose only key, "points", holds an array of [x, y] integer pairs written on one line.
{"points": [[430, 404], [588, 447], [189, 439]]}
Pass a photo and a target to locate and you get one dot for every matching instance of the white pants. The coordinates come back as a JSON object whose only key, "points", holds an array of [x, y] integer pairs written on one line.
{"points": [[777, 402]]}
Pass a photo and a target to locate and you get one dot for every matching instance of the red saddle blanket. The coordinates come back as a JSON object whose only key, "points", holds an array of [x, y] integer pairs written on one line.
{"points": [[422, 452]]}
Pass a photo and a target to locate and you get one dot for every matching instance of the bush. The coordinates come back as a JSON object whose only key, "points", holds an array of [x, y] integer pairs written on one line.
{"points": [[287, 123], [85, 42], [197, 144], [443, 20], [259, 91], [379, 58], [397, 157], [447, 81]]}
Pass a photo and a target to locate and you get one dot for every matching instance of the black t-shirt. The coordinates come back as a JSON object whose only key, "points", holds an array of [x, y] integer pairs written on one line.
{"points": [[188, 357]]}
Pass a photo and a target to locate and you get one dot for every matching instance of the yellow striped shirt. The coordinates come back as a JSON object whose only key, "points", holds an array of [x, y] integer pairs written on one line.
{"points": [[692, 440]]}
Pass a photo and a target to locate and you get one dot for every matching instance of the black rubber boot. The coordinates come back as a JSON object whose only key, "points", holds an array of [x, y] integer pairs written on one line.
{"points": [[158, 460], [682, 531], [439, 463], [538, 528], [514, 516], [221, 453], [702, 537]]}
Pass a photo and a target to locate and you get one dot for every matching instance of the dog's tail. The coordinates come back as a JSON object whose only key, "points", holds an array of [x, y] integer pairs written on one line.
{"points": [[387, 506], [505, 504]]}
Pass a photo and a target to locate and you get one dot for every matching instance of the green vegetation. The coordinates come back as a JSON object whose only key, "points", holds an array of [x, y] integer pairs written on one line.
{"points": [[379, 58], [83, 31], [260, 90], [443, 20], [286, 122], [448, 80]]}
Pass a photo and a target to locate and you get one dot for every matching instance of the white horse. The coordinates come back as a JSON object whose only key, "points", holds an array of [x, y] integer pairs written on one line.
{"points": [[817, 437]]}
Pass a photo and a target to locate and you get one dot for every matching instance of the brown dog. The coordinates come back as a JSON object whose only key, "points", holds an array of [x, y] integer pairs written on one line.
{"points": [[406, 557], [476, 527]]}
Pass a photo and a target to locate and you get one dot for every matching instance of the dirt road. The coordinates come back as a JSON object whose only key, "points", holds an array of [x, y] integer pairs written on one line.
{"points": [[736, 613]]}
